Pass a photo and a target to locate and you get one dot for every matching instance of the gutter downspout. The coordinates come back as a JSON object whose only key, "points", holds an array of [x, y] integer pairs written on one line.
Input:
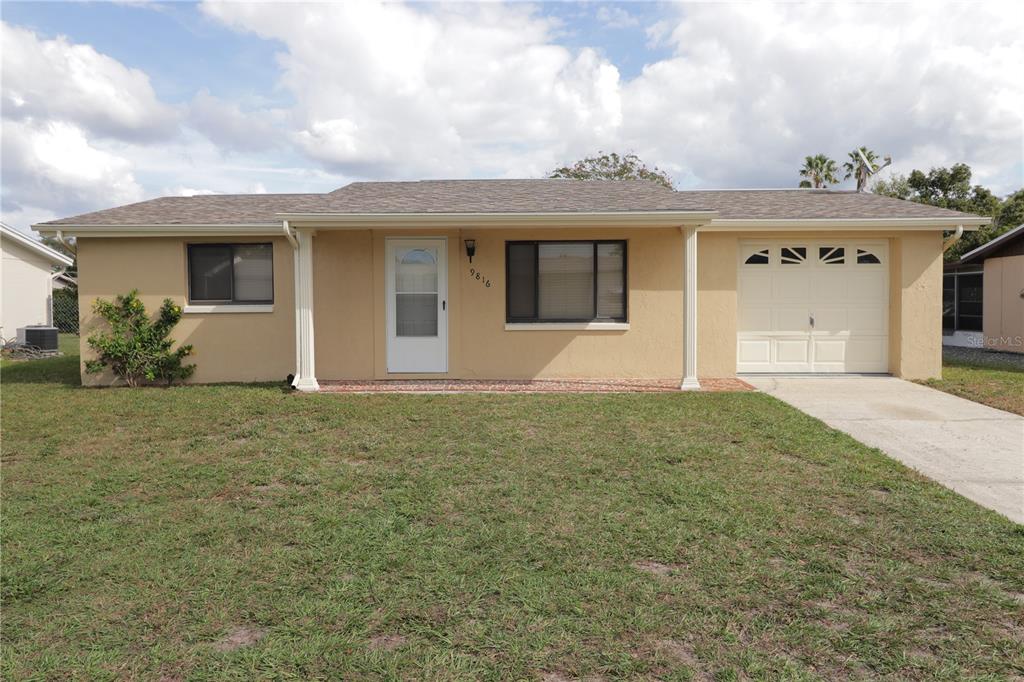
{"points": [[947, 243], [290, 236], [70, 247]]}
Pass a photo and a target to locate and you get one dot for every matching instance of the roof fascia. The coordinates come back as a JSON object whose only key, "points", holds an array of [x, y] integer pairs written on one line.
{"points": [[56, 257], [799, 224], [498, 220]]}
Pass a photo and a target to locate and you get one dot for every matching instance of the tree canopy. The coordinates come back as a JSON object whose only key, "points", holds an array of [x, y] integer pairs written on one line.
{"points": [[951, 188], [612, 166], [819, 171]]}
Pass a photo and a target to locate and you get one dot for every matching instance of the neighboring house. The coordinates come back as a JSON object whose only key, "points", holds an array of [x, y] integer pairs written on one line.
{"points": [[29, 268], [517, 279], [983, 295]]}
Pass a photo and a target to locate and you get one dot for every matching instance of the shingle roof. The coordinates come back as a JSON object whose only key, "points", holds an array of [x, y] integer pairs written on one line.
{"points": [[508, 196], [798, 204]]}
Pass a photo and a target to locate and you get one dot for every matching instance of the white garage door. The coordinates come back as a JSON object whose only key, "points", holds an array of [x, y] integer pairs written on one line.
{"points": [[813, 306]]}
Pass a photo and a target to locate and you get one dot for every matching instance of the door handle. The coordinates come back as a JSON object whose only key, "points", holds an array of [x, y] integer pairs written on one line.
{"points": [[444, 305], [811, 319]]}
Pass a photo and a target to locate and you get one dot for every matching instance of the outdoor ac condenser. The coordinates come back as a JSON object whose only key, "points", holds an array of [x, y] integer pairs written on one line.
{"points": [[38, 336]]}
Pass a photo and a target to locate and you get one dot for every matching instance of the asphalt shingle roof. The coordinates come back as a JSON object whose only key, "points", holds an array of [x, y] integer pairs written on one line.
{"points": [[507, 196]]}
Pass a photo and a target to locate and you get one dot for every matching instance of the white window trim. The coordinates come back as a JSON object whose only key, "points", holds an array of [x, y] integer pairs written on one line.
{"points": [[566, 326], [228, 308]]}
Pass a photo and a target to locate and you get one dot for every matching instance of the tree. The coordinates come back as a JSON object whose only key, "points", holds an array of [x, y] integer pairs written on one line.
{"points": [[819, 170], [136, 348], [612, 166], [862, 165], [951, 188]]}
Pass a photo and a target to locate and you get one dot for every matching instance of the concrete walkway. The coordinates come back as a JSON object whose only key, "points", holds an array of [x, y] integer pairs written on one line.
{"points": [[976, 450]]}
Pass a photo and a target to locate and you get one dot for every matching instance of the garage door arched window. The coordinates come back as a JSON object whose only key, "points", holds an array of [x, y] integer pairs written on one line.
{"points": [[865, 257], [759, 257]]}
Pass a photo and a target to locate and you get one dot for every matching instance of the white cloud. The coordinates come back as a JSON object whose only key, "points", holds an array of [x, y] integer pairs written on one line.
{"points": [[226, 124], [616, 17], [57, 80], [389, 90], [407, 91]]}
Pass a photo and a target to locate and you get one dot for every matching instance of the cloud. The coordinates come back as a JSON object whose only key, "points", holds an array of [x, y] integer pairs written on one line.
{"points": [[225, 124], [57, 80], [616, 17], [388, 90], [745, 93], [751, 89]]}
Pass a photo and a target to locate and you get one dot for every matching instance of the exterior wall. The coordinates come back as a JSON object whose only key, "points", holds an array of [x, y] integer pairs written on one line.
{"points": [[915, 299], [27, 288], [228, 346], [1003, 308], [349, 307], [351, 334]]}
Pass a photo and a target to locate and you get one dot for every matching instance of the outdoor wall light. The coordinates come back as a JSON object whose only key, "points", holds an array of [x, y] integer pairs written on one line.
{"points": [[470, 249]]}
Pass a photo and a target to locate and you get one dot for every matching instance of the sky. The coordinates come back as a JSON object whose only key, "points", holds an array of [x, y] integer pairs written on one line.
{"points": [[105, 104]]}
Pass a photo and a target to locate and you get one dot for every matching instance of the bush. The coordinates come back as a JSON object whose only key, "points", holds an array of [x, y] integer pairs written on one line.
{"points": [[137, 349]]}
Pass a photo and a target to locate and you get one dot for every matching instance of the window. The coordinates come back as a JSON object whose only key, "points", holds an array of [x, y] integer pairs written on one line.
{"points": [[867, 258], [793, 255], [759, 257], [832, 255], [962, 301], [231, 273], [565, 281]]}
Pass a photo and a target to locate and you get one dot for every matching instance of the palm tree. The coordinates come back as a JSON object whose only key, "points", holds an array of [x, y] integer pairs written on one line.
{"points": [[862, 165], [819, 170]]}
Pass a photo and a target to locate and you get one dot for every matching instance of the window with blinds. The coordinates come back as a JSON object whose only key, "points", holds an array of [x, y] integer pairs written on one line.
{"points": [[572, 281], [231, 273]]}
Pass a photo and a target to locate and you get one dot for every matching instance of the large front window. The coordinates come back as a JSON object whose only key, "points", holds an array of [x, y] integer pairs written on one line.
{"points": [[566, 281], [231, 273]]}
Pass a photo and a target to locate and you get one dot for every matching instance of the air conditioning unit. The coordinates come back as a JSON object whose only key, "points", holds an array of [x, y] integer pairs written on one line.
{"points": [[38, 336]]}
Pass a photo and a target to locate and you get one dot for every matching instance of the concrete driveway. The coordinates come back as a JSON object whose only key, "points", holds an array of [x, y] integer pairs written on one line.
{"points": [[976, 450]]}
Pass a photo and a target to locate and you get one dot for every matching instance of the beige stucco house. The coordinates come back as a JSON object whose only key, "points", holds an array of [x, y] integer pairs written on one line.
{"points": [[983, 296], [514, 279], [27, 273]]}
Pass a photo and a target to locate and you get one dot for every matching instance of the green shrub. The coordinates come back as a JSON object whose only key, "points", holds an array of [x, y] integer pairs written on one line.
{"points": [[137, 349]]}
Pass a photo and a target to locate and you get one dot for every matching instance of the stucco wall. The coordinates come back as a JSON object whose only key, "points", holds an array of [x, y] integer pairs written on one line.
{"points": [[349, 310], [349, 307], [1003, 311], [26, 285], [228, 346]]}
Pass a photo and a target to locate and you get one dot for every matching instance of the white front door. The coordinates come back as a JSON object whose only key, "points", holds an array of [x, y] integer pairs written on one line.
{"points": [[813, 306], [416, 273]]}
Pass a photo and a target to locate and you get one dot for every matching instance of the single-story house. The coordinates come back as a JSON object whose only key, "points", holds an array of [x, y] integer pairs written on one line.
{"points": [[983, 296], [530, 279], [28, 270]]}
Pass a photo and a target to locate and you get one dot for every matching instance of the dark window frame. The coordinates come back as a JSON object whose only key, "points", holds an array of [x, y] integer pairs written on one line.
{"points": [[231, 301], [536, 281]]}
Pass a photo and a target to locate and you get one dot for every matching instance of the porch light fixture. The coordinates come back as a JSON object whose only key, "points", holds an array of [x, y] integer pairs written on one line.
{"points": [[470, 249]]}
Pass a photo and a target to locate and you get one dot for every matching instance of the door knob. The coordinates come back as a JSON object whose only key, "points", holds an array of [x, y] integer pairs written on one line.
{"points": [[811, 320]]}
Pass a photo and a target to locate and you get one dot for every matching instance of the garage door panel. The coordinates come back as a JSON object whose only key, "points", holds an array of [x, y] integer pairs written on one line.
{"points": [[792, 350], [756, 287], [754, 319], [790, 319], [829, 287], [755, 351], [790, 287], [847, 299], [873, 319]]}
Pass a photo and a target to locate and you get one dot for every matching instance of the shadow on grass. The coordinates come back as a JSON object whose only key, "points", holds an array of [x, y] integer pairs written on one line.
{"points": [[59, 370]]}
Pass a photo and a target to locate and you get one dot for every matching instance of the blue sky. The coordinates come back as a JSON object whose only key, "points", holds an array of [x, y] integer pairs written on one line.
{"points": [[107, 103]]}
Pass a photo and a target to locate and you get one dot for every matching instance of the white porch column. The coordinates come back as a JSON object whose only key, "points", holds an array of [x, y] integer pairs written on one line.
{"points": [[305, 371], [690, 382]]}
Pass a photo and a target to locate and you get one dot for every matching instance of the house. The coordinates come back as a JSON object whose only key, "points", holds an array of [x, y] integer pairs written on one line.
{"points": [[515, 279], [29, 269], [983, 296]]}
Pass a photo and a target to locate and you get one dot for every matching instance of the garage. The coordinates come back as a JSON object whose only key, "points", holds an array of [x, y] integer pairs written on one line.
{"points": [[814, 306]]}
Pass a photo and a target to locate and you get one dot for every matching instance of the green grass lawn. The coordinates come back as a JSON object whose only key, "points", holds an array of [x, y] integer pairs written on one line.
{"points": [[241, 532], [1000, 386]]}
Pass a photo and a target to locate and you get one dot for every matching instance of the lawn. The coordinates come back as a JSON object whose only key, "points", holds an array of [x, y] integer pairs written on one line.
{"points": [[996, 384], [241, 532]]}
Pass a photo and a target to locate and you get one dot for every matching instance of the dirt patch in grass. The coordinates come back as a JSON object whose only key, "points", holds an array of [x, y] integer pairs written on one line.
{"points": [[239, 637], [682, 652], [657, 568], [386, 642]]}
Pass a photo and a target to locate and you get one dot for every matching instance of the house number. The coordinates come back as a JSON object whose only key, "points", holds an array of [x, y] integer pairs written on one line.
{"points": [[475, 274]]}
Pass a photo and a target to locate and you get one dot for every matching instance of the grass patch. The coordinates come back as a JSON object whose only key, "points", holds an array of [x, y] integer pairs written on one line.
{"points": [[999, 386], [240, 532]]}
